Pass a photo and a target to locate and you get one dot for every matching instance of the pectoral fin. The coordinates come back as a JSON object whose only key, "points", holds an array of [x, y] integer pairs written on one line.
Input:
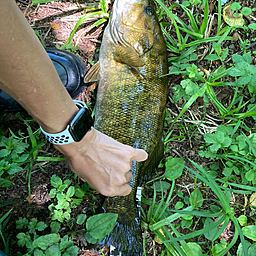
{"points": [[93, 74], [128, 56]]}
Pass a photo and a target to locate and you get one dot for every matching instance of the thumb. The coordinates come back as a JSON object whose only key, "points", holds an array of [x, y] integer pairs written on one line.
{"points": [[139, 155]]}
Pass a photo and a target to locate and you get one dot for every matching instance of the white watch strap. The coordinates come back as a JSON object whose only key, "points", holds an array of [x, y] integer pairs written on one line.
{"points": [[63, 137]]}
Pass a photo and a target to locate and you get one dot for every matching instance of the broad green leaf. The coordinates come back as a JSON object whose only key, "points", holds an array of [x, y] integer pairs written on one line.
{"points": [[43, 242], [174, 168], [250, 247], [79, 192], [38, 252], [195, 248], [246, 11], [212, 233], [71, 251], [58, 215], [101, 224], [217, 48], [4, 153], [212, 57], [81, 218], [253, 200], [70, 191], [65, 242], [40, 226], [53, 250], [252, 250], [237, 58], [161, 186], [196, 198], [247, 57], [250, 232], [242, 219], [186, 223], [235, 6], [14, 168], [55, 227], [21, 222], [90, 239], [178, 205], [22, 158], [56, 181], [252, 26]]}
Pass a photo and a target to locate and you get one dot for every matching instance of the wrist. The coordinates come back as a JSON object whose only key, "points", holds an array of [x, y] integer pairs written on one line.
{"points": [[85, 143], [57, 120], [77, 128]]}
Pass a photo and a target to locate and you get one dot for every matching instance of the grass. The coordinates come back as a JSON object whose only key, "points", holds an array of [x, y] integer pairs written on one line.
{"points": [[213, 210]]}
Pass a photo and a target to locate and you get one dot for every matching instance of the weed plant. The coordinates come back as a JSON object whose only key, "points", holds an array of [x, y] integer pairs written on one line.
{"points": [[195, 225]]}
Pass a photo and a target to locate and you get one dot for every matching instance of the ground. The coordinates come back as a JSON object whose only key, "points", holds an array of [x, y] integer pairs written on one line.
{"points": [[54, 23]]}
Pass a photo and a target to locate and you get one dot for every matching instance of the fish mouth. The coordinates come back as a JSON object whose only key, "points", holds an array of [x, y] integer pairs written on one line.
{"points": [[132, 26]]}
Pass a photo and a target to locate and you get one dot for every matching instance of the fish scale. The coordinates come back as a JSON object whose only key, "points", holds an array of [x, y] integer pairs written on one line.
{"points": [[130, 105]]}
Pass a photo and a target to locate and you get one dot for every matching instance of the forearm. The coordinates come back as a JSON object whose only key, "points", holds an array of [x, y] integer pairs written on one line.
{"points": [[27, 73]]}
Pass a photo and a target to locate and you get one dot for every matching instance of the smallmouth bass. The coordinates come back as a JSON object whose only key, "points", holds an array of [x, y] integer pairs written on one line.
{"points": [[130, 104]]}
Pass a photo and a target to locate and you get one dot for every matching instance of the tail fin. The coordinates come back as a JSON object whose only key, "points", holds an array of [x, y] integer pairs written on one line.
{"points": [[126, 236]]}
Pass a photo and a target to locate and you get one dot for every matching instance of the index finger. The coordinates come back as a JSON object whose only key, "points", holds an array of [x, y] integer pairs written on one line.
{"points": [[139, 155]]}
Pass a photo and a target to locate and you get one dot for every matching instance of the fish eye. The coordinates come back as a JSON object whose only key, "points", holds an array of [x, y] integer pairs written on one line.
{"points": [[149, 10]]}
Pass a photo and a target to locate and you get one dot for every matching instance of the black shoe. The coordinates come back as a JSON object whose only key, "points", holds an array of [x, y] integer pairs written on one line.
{"points": [[71, 70]]}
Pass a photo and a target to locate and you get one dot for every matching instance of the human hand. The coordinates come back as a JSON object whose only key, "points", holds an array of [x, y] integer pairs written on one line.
{"points": [[103, 162]]}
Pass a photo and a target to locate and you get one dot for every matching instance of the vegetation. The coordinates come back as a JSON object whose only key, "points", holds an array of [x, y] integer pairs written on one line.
{"points": [[214, 213]]}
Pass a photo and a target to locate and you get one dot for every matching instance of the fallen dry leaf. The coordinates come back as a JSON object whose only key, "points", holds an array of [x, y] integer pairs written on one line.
{"points": [[226, 234], [30, 199], [54, 25]]}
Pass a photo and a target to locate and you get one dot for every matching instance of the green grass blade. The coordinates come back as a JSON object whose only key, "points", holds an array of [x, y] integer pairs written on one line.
{"points": [[184, 245], [103, 6], [250, 144], [236, 191], [200, 214], [237, 226], [80, 21], [239, 158], [49, 159], [214, 99], [167, 221], [233, 241], [5, 216], [190, 102], [219, 16], [191, 18], [169, 246], [206, 40], [205, 20], [99, 22], [167, 201], [245, 187], [192, 33], [199, 232], [213, 185], [222, 228], [171, 16]]}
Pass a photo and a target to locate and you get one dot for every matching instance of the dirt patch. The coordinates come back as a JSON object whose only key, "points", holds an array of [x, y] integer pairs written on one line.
{"points": [[54, 22]]}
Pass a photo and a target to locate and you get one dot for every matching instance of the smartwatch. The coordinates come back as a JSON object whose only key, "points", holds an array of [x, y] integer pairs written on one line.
{"points": [[76, 130]]}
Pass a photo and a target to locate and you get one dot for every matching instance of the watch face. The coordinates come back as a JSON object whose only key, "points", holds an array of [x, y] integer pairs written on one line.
{"points": [[80, 124]]}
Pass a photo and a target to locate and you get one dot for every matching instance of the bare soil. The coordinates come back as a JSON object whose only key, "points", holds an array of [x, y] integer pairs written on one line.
{"points": [[54, 22]]}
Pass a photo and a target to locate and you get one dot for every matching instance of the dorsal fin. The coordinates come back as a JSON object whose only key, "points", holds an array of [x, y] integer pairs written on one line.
{"points": [[93, 74]]}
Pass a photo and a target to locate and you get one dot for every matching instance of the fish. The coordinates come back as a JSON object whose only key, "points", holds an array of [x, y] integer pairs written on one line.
{"points": [[130, 104]]}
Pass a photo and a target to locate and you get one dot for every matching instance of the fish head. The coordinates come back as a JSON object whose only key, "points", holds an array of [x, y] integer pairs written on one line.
{"points": [[133, 23]]}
